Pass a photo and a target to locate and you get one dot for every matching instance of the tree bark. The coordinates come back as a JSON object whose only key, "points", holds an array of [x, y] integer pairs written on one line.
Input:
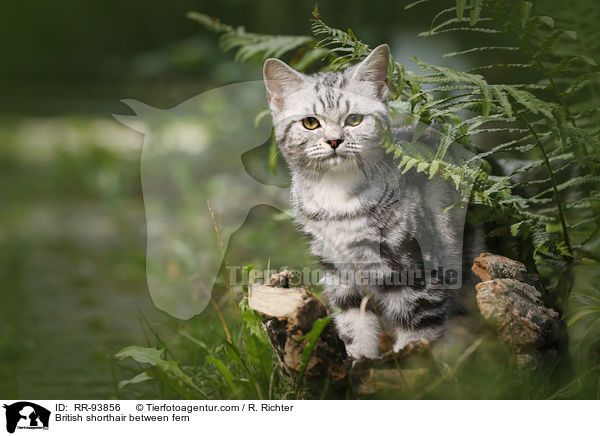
{"points": [[289, 313], [509, 300]]}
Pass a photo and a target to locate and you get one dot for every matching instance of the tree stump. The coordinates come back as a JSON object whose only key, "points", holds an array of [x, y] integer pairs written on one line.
{"points": [[289, 313], [510, 301]]}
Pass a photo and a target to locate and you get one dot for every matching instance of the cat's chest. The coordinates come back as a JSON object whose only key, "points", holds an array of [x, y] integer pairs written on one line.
{"points": [[334, 194], [339, 240], [338, 232], [336, 213]]}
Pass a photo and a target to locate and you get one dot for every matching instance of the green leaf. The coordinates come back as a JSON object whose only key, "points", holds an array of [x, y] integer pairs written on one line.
{"points": [[345, 43], [433, 169], [166, 370], [210, 23], [141, 355], [422, 166], [503, 100], [192, 339], [261, 115], [485, 101], [252, 320], [530, 101], [404, 161], [478, 50], [514, 229], [570, 33], [573, 182], [449, 208], [525, 11], [540, 162], [141, 377], [250, 44], [548, 21], [399, 107], [588, 60], [222, 368], [309, 58], [419, 130], [457, 180], [413, 4], [460, 8], [579, 82], [273, 152], [475, 11], [411, 163], [583, 312], [311, 341]]}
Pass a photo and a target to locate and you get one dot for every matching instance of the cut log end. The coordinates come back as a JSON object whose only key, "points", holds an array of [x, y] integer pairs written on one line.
{"points": [[289, 313]]}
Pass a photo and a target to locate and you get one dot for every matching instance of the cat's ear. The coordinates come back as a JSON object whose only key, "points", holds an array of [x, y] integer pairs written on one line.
{"points": [[374, 68], [280, 80]]}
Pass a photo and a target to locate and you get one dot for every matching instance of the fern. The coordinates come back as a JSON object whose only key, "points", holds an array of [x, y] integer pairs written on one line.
{"points": [[548, 125], [515, 20], [344, 45], [251, 45]]}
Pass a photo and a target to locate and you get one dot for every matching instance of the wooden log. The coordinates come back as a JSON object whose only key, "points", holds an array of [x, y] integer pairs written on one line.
{"points": [[289, 313], [490, 266], [508, 299]]}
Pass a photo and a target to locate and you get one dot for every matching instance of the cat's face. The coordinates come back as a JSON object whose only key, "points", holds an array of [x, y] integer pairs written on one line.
{"points": [[331, 119]]}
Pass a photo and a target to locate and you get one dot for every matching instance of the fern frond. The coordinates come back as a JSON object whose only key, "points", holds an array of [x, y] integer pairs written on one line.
{"points": [[251, 44], [341, 42], [479, 50]]}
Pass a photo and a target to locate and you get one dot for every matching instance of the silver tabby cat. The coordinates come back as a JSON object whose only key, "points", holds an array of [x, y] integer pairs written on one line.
{"points": [[377, 233]]}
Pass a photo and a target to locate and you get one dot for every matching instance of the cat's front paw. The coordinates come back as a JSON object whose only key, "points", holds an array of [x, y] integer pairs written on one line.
{"points": [[358, 351], [417, 346]]}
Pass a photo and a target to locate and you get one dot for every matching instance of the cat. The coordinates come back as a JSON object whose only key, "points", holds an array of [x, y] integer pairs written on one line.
{"points": [[377, 233]]}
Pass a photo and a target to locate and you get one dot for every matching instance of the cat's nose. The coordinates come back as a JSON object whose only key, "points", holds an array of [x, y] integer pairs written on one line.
{"points": [[334, 143]]}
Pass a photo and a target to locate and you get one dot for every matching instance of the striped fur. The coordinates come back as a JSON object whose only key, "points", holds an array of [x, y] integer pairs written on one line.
{"points": [[362, 217]]}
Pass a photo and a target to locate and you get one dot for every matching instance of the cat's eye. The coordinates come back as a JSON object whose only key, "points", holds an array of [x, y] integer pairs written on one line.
{"points": [[311, 123], [353, 120]]}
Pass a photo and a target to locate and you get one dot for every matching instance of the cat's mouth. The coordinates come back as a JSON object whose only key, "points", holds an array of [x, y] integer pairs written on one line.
{"points": [[335, 158]]}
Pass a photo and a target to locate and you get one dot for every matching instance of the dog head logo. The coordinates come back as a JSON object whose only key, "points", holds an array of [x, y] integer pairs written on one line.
{"points": [[193, 177], [26, 415]]}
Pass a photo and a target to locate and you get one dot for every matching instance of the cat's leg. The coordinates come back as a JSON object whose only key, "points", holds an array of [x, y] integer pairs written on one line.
{"points": [[358, 328], [360, 331], [423, 314]]}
